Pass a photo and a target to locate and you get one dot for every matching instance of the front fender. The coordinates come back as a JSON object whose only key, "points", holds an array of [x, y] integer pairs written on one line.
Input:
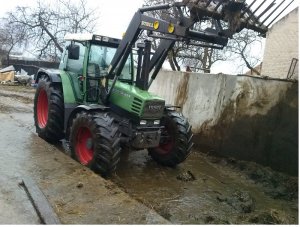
{"points": [[53, 74], [72, 109]]}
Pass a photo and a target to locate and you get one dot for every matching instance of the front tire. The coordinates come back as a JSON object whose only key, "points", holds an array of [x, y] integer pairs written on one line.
{"points": [[49, 110], [176, 140], [95, 142]]}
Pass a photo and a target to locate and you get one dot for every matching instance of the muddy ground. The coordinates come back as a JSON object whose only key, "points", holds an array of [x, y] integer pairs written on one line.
{"points": [[202, 190]]}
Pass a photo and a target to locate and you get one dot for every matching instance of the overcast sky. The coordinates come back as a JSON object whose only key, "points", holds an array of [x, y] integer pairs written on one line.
{"points": [[115, 15]]}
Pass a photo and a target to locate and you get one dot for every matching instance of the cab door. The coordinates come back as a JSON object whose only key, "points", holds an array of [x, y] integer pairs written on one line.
{"points": [[74, 67]]}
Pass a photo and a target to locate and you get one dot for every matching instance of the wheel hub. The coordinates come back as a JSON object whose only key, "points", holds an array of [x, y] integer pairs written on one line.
{"points": [[84, 146], [167, 142], [89, 143]]}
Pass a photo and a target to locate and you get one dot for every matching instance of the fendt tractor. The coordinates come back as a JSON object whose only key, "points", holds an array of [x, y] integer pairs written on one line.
{"points": [[98, 99]]}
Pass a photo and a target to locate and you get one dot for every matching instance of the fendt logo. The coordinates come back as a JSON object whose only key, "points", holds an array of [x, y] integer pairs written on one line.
{"points": [[154, 107]]}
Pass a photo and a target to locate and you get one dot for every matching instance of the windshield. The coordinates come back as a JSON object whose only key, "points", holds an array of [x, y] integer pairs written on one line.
{"points": [[101, 56]]}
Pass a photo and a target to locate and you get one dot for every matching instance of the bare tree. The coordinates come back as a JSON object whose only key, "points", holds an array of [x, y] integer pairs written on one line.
{"points": [[79, 17], [199, 58], [11, 37], [46, 25], [241, 48]]}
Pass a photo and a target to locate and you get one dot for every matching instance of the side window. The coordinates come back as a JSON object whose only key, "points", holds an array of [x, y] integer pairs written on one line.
{"points": [[126, 72], [97, 64], [76, 66], [100, 58]]}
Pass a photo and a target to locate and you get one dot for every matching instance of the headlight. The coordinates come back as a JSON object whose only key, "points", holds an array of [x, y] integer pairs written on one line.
{"points": [[156, 122], [143, 122]]}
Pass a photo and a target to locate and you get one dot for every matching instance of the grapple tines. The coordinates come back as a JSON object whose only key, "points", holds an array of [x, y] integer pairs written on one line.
{"points": [[237, 13]]}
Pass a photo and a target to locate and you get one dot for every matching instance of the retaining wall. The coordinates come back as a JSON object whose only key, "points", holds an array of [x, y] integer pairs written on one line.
{"points": [[243, 117]]}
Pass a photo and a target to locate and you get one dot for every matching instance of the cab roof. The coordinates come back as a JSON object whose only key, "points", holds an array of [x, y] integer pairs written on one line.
{"points": [[81, 37]]}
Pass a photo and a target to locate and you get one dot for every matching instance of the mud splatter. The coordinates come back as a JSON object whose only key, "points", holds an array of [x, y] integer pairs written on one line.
{"points": [[182, 90], [270, 139]]}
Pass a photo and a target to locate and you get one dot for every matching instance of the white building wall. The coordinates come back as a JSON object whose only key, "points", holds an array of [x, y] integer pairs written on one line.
{"points": [[281, 47]]}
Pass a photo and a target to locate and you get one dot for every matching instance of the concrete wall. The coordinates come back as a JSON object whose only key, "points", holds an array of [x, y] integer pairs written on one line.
{"points": [[281, 47], [244, 117]]}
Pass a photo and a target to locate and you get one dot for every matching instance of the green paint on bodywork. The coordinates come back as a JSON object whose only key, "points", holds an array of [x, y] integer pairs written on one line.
{"points": [[69, 96], [131, 98]]}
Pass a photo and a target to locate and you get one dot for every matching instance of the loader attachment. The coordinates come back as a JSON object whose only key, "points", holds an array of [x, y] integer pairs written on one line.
{"points": [[238, 14], [182, 22]]}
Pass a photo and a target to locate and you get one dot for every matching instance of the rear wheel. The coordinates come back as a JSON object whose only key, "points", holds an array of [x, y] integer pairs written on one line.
{"points": [[176, 140], [95, 142], [49, 110]]}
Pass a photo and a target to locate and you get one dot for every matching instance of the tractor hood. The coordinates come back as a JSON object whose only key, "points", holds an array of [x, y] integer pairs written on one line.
{"points": [[136, 101]]}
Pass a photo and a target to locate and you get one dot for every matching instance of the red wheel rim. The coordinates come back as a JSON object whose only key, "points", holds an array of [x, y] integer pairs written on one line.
{"points": [[84, 148], [42, 109], [167, 146]]}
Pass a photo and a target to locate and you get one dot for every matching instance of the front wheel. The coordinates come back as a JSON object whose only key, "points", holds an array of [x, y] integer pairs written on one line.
{"points": [[176, 140], [95, 142], [49, 110]]}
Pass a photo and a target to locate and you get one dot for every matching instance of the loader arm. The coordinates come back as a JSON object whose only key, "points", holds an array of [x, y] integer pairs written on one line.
{"points": [[235, 14]]}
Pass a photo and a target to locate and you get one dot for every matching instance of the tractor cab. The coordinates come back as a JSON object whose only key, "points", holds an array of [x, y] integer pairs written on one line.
{"points": [[86, 59]]}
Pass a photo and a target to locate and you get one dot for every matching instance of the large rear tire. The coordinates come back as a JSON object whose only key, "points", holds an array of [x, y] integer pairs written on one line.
{"points": [[176, 140], [95, 142], [49, 110]]}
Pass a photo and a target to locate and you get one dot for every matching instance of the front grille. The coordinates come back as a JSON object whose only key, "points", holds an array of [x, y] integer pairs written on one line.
{"points": [[136, 105], [154, 109]]}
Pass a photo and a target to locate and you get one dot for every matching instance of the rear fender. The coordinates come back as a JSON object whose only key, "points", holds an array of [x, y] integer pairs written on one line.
{"points": [[59, 77]]}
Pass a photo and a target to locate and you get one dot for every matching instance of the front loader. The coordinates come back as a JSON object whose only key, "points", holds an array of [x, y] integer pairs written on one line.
{"points": [[98, 99]]}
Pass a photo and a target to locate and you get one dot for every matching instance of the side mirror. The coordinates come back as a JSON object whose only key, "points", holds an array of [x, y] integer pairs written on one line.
{"points": [[73, 51]]}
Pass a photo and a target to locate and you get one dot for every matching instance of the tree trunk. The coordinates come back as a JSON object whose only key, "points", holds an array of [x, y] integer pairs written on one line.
{"points": [[204, 61], [170, 59], [8, 53], [51, 36], [176, 63], [7, 59], [249, 66]]}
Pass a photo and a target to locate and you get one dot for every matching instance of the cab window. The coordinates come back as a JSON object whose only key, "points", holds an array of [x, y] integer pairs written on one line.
{"points": [[100, 58]]}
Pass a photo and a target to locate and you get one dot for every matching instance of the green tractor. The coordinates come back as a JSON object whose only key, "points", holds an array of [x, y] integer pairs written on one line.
{"points": [[68, 105], [98, 99]]}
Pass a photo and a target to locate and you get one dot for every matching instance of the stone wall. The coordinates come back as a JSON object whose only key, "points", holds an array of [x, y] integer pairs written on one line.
{"points": [[281, 47], [238, 116]]}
